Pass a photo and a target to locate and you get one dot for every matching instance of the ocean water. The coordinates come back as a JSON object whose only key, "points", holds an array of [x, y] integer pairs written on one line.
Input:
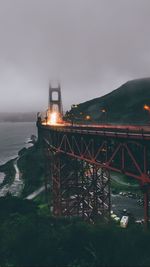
{"points": [[13, 137]]}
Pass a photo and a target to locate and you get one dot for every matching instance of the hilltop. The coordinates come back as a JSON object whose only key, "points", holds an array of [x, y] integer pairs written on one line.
{"points": [[123, 105]]}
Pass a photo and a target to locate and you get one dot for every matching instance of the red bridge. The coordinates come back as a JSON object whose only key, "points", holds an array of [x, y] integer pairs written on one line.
{"points": [[79, 159]]}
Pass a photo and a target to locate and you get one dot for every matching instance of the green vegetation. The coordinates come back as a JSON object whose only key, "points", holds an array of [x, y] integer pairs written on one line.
{"points": [[31, 166], [41, 198], [31, 238]]}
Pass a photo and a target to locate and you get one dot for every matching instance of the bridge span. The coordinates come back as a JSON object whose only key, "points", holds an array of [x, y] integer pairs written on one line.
{"points": [[95, 150], [79, 159]]}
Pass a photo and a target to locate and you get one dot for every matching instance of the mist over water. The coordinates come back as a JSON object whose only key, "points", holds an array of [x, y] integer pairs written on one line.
{"points": [[13, 137]]}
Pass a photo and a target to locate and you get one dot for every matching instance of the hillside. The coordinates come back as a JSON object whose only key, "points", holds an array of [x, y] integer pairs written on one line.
{"points": [[32, 238], [123, 105]]}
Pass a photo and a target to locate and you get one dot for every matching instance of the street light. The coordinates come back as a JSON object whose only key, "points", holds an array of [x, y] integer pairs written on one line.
{"points": [[88, 117], [146, 107], [104, 111]]}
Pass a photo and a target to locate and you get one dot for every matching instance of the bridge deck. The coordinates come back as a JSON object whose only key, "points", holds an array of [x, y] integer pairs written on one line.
{"points": [[120, 131]]}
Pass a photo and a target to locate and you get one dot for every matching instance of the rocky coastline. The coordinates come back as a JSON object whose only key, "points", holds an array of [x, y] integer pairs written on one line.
{"points": [[22, 175]]}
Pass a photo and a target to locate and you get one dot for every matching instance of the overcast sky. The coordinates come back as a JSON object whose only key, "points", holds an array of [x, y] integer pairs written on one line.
{"points": [[90, 46]]}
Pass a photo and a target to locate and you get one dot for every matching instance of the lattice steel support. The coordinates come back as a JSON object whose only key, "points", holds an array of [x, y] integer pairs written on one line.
{"points": [[46, 173], [101, 193], [69, 187], [56, 187], [79, 189]]}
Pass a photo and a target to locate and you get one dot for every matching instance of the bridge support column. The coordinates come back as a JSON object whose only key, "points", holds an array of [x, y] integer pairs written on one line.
{"points": [[56, 187], [47, 175], [95, 192], [105, 193], [79, 189]]}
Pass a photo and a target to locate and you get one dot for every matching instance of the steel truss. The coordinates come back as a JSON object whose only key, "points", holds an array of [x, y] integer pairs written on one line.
{"points": [[79, 188], [101, 153]]}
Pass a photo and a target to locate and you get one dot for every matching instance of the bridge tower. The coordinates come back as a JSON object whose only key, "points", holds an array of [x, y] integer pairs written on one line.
{"points": [[55, 100]]}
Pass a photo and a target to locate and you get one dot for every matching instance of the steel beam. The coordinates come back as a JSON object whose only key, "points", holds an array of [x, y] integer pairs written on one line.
{"points": [[102, 152]]}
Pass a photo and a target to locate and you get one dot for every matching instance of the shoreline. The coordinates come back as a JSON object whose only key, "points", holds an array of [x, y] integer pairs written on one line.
{"points": [[2, 177], [11, 183], [9, 171], [22, 175]]}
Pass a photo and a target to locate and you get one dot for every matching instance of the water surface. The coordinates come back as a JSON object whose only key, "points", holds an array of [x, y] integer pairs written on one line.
{"points": [[13, 136]]}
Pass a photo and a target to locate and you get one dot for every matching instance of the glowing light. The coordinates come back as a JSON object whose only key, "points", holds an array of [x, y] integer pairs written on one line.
{"points": [[88, 117], [146, 107], [53, 118]]}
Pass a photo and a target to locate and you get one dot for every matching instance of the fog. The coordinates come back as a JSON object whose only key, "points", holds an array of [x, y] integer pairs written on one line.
{"points": [[90, 46]]}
